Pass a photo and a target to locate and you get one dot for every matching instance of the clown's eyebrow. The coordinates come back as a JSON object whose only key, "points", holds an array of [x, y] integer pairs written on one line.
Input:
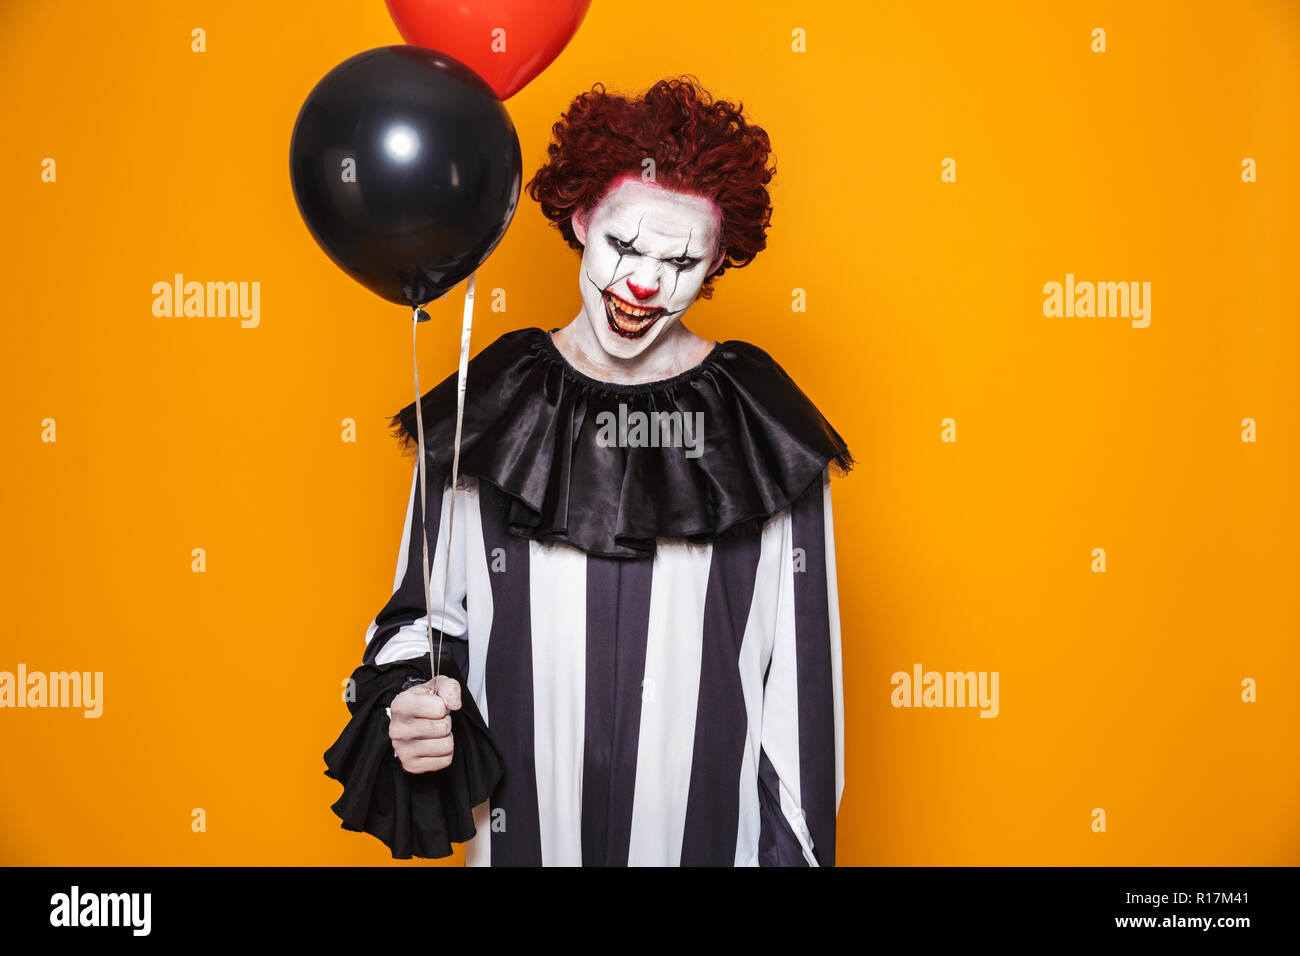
{"points": [[686, 245], [686, 253], [678, 274], [621, 254], [613, 233]]}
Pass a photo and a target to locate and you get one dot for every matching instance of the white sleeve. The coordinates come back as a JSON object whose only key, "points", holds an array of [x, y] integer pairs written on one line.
{"points": [[398, 631]]}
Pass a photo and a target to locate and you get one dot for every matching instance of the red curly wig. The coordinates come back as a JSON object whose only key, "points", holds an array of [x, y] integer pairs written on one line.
{"points": [[699, 146]]}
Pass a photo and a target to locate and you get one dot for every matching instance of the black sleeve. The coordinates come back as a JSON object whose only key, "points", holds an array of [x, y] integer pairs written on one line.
{"points": [[414, 814]]}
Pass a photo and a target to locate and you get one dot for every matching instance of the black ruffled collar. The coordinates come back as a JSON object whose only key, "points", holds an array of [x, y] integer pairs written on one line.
{"points": [[532, 430]]}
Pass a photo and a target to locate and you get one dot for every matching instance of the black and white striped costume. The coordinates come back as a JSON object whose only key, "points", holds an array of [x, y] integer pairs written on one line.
{"points": [[668, 698]]}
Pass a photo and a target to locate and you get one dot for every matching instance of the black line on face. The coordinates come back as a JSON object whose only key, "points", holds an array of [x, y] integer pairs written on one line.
{"points": [[601, 292], [630, 242], [677, 273], [596, 286], [615, 272]]}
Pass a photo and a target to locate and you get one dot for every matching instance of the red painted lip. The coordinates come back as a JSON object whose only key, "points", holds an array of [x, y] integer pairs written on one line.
{"points": [[649, 321]]}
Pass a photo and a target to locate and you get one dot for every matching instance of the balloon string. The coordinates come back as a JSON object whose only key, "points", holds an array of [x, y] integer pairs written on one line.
{"points": [[435, 654]]}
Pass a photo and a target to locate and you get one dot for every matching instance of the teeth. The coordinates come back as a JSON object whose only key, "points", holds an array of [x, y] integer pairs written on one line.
{"points": [[631, 310], [630, 320]]}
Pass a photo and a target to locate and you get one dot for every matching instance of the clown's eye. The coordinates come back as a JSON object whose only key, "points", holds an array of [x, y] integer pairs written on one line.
{"points": [[683, 263], [620, 245]]}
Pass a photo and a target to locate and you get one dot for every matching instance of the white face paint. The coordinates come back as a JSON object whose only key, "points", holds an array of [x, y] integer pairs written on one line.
{"points": [[646, 252]]}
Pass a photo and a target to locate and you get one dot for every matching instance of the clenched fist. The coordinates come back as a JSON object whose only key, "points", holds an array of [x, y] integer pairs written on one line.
{"points": [[419, 724]]}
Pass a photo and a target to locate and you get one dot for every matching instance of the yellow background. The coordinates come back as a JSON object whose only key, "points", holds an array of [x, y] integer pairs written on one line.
{"points": [[1118, 690]]}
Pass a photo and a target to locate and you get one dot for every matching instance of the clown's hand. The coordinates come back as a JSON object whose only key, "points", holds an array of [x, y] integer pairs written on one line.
{"points": [[420, 724]]}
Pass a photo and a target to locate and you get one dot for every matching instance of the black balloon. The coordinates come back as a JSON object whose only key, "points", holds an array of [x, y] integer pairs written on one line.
{"points": [[406, 169]]}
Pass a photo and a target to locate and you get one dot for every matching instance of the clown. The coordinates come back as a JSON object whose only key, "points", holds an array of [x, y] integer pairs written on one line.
{"points": [[640, 643], [646, 253]]}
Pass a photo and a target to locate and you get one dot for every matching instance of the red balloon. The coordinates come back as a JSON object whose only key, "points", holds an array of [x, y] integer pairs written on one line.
{"points": [[507, 42]]}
